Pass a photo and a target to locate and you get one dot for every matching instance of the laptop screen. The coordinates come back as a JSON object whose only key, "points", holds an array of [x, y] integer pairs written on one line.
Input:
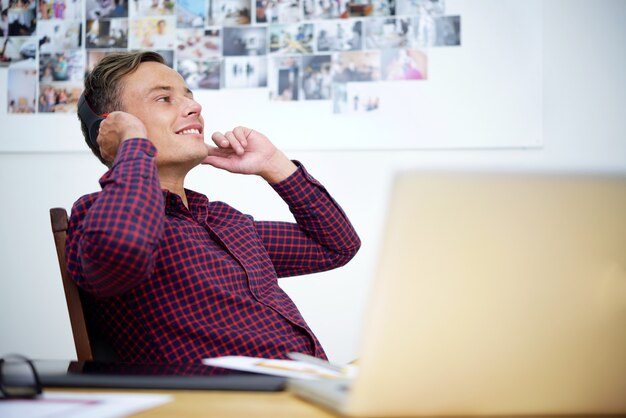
{"points": [[497, 293]]}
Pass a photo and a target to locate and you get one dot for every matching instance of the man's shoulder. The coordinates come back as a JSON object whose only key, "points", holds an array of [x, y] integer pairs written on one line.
{"points": [[83, 204]]}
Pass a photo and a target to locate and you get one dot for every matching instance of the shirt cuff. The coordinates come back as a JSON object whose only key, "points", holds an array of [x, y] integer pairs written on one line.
{"points": [[299, 188], [133, 149]]}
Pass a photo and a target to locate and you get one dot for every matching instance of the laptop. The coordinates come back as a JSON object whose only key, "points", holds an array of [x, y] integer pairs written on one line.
{"points": [[494, 294]]}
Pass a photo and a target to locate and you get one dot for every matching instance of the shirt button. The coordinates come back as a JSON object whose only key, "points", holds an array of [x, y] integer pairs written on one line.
{"points": [[150, 153]]}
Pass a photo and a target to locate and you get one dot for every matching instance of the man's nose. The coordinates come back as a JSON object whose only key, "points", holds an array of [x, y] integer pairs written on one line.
{"points": [[192, 107]]}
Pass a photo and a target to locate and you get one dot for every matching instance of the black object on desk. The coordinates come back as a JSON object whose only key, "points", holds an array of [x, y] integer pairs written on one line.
{"points": [[91, 374]]}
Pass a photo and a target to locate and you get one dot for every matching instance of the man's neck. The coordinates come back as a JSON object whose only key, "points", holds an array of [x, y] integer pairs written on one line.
{"points": [[175, 184]]}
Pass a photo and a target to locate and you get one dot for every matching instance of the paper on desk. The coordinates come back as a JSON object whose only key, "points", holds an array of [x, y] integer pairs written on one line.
{"points": [[286, 368], [80, 405]]}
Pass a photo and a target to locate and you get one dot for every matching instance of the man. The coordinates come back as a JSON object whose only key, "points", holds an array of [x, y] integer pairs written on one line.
{"points": [[176, 278]]}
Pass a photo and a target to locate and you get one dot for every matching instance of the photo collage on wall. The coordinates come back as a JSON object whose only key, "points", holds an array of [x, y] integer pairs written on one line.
{"points": [[333, 50]]}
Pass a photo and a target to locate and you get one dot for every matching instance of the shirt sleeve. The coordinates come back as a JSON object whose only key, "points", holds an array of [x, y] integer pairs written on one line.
{"points": [[112, 244], [322, 237]]}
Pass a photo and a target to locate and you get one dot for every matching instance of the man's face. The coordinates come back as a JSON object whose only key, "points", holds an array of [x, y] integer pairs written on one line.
{"points": [[159, 97]]}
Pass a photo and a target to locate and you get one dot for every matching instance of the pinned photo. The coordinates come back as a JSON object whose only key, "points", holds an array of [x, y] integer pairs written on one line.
{"points": [[21, 17], [153, 33], [355, 98], [448, 30], [198, 44], [326, 9], [190, 13], [55, 35], [167, 55], [356, 66], [361, 8], [22, 87], [247, 40], [245, 72], [60, 10], [94, 57], [229, 12], [339, 35], [107, 33], [362, 97], [391, 32], [291, 39], [4, 20], [155, 7], [99, 9], [17, 48], [432, 8], [404, 64], [284, 78], [201, 74], [61, 66], [58, 97], [316, 77], [278, 11]]}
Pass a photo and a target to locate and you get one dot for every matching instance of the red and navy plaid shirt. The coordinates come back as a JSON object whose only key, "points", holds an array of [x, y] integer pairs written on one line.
{"points": [[176, 285]]}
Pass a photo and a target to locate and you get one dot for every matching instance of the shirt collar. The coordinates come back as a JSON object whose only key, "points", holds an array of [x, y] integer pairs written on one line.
{"points": [[198, 203]]}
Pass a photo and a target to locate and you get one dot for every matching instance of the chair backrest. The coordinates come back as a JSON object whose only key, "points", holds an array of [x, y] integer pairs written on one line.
{"points": [[58, 217]]}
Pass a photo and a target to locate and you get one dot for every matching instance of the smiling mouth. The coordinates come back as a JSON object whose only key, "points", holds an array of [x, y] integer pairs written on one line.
{"points": [[191, 131]]}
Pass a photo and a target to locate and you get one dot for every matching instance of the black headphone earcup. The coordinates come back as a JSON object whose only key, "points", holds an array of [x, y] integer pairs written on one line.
{"points": [[89, 118], [93, 131]]}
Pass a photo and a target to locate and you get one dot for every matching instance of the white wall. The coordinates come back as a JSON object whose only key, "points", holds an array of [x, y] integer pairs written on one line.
{"points": [[584, 103]]}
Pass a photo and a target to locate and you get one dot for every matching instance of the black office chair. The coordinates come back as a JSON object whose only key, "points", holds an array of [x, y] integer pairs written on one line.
{"points": [[90, 344]]}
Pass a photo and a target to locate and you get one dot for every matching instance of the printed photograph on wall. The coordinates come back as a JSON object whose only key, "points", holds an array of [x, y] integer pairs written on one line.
{"points": [[198, 44], [277, 11], [59, 35], [291, 39], [339, 35], [362, 97], [245, 72], [284, 78], [190, 13], [152, 33], [244, 40], [59, 9], [296, 49], [389, 32], [60, 81], [154, 7], [22, 88], [325, 9], [228, 12], [18, 48], [448, 31], [356, 66], [420, 7], [201, 74], [22, 17], [403, 64], [107, 33], [103, 9], [316, 77]]}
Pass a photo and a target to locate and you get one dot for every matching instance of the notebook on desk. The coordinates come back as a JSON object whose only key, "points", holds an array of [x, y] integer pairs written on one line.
{"points": [[494, 295]]}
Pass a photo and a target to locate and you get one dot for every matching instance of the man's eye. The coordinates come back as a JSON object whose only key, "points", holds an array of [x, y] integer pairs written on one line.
{"points": [[163, 99]]}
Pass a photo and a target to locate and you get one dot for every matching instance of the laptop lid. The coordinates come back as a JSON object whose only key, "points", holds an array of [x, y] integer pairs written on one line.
{"points": [[497, 294]]}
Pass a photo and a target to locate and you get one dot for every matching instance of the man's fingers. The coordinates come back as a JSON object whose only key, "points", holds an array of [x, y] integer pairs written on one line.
{"points": [[241, 134], [229, 140]]}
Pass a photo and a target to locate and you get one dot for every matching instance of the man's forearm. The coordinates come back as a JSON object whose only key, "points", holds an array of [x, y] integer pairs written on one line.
{"points": [[123, 227]]}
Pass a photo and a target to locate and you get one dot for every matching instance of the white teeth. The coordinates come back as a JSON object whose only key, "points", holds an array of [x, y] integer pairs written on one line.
{"points": [[189, 131]]}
